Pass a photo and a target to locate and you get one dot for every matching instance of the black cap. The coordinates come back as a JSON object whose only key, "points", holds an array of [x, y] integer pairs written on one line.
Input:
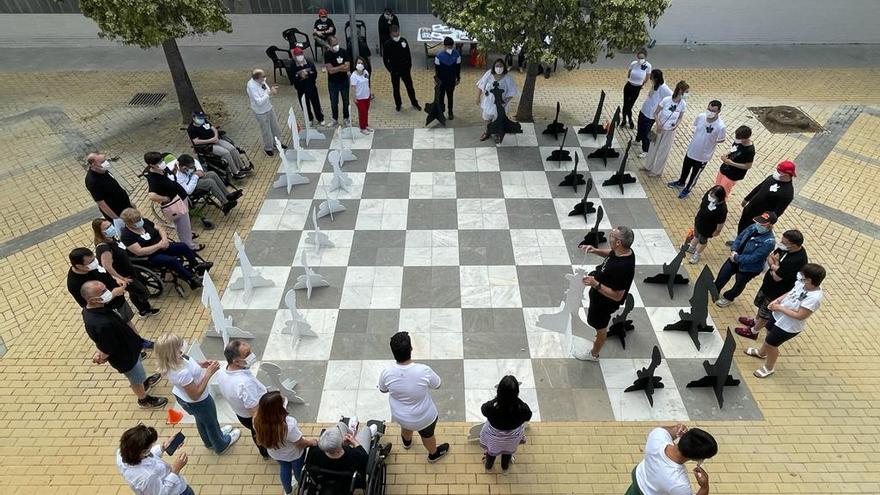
{"points": [[198, 114], [447, 41], [768, 217]]}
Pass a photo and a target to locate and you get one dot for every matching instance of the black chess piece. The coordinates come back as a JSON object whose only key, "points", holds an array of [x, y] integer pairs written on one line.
{"points": [[620, 325], [556, 127], [645, 379], [584, 207], [560, 155], [607, 150], [695, 322], [436, 108], [573, 179], [595, 237], [670, 275], [718, 375], [594, 127], [501, 125], [621, 177]]}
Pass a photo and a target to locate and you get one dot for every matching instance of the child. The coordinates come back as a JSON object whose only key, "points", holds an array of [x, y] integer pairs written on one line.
{"points": [[708, 222], [360, 79]]}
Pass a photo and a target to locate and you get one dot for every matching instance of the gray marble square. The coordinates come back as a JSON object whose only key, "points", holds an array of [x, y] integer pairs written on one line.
{"points": [[362, 346], [386, 185], [450, 402], [554, 177], [485, 247], [451, 372], [575, 404], [392, 139], [478, 185], [439, 160], [531, 214], [377, 247], [431, 287], [344, 220], [640, 341], [574, 237], [494, 334], [518, 159], [322, 297], [367, 321], [658, 294], [302, 191], [432, 214], [635, 213], [309, 376], [272, 247], [549, 140], [566, 374], [542, 286], [469, 137], [701, 402]]}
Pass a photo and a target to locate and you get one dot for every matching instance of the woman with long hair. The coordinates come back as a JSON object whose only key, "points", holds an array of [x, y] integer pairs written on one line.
{"points": [[504, 429], [112, 255], [190, 387], [667, 116], [485, 97], [360, 80], [658, 91], [279, 433]]}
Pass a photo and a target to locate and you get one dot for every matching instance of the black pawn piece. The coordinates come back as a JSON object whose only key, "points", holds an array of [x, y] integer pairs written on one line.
{"points": [[574, 179], [556, 128], [595, 237], [620, 324], [645, 379]]}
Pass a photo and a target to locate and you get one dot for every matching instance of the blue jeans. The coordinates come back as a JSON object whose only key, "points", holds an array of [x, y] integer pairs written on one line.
{"points": [[337, 90], [170, 258], [288, 469], [205, 413], [730, 269]]}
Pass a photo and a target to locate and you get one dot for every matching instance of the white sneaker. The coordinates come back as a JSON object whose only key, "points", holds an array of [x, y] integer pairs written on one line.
{"points": [[694, 259], [327, 123], [234, 435], [370, 129], [586, 355], [723, 303], [642, 154], [226, 429], [365, 132], [346, 122]]}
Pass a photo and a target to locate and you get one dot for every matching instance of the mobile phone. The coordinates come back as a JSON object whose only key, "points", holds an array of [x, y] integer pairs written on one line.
{"points": [[175, 443]]}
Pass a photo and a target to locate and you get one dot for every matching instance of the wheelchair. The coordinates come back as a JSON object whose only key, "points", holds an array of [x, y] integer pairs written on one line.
{"points": [[216, 163], [320, 481], [156, 277]]}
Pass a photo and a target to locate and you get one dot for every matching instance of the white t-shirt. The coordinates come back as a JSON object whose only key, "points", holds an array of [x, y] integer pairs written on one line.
{"points": [[704, 141], [657, 474], [798, 297], [670, 112], [361, 83], [152, 476], [241, 389], [411, 404], [259, 96], [188, 182], [637, 75], [654, 97], [189, 372], [288, 451]]}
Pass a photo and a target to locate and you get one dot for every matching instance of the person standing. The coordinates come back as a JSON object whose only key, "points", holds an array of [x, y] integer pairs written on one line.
{"points": [[659, 91], [201, 133], [774, 194], [360, 79], [407, 384], [105, 190], [303, 76], [139, 460], [324, 28], [667, 117], [609, 284], [337, 61], [747, 255], [505, 426], [485, 97], [789, 315], [738, 161], [240, 387], [387, 21], [636, 75], [84, 267], [117, 343], [171, 198], [279, 433], [398, 60], [662, 471], [784, 264], [709, 130], [260, 97], [113, 257], [708, 222], [447, 68]]}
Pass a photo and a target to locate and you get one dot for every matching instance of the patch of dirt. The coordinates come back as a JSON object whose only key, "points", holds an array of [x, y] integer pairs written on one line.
{"points": [[785, 120]]}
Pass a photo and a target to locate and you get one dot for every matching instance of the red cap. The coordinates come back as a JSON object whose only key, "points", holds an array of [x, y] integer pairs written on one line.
{"points": [[787, 168], [322, 12], [297, 50]]}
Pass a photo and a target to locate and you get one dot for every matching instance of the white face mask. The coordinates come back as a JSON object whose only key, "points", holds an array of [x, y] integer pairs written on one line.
{"points": [[396, 38], [710, 114], [300, 59], [499, 70], [335, 48], [800, 277], [685, 96], [249, 360], [737, 141], [642, 61], [780, 246], [106, 296], [449, 51], [93, 265], [105, 165], [359, 67], [777, 175], [388, 16]]}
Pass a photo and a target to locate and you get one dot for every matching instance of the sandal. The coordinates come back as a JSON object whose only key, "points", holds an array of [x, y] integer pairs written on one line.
{"points": [[763, 372], [751, 351], [484, 136]]}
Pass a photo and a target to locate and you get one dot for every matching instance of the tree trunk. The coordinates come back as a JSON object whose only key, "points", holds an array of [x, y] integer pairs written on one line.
{"points": [[186, 95], [527, 97]]}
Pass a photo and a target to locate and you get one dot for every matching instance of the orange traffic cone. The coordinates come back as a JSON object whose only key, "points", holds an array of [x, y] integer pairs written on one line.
{"points": [[174, 417], [689, 236]]}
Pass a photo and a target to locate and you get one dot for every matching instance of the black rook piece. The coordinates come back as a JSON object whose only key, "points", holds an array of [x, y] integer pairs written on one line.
{"points": [[718, 375], [436, 108], [595, 237], [584, 207], [501, 125], [670, 275], [556, 127], [645, 378], [607, 151], [620, 325], [574, 179], [594, 127], [695, 322], [561, 155], [621, 177]]}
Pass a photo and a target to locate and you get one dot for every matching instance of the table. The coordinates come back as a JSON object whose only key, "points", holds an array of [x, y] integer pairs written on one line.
{"points": [[433, 36]]}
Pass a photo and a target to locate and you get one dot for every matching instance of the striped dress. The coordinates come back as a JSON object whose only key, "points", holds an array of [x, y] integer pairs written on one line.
{"points": [[504, 429]]}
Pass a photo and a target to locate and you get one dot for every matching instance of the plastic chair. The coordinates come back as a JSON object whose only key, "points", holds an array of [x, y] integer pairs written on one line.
{"points": [[278, 65], [363, 46], [295, 38]]}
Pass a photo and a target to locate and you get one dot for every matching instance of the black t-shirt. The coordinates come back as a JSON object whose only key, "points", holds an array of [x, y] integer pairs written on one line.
{"points": [[75, 281], [506, 419], [740, 154], [113, 337], [616, 272], [336, 59], [770, 195], [353, 459], [130, 237], [324, 25], [121, 262], [163, 185], [104, 187], [708, 220], [789, 266], [204, 131]]}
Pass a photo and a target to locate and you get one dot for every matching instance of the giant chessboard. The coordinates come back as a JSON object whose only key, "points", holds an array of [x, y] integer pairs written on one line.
{"points": [[463, 244]]}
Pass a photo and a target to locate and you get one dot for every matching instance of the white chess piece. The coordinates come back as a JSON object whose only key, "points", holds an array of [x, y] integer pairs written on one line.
{"points": [[295, 148], [286, 387], [568, 318], [329, 206], [342, 148], [291, 176], [341, 180], [316, 237], [297, 326], [309, 132], [223, 326], [249, 279], [309, 280]]}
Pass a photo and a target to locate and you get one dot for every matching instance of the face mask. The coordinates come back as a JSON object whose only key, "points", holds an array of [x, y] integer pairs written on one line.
{"points": [[499, 70], [335, 48], [388, 16], [777, 176], [800, 277], [106, 296], [322, 19], [782, 247], [111, 231], [301, 59], [199, 121], [711, 115], [761, 229], [359, 67], [93, 265], [737, 141], [449, 51], [685, 96], [105, 165], [139, 224], [396, 38], [189, 172], [249, 360], [642, 61]]}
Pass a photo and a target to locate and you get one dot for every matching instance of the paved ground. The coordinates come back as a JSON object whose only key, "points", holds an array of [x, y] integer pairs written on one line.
{"points": [[62, 415]]}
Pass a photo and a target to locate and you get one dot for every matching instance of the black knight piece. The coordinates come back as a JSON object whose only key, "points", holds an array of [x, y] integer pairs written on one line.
{"points": [[621, 177], [718, 375], [607, 150], [501, 125], [645, 378], [695, 322], [436, 108], [594, 127], [620, 325], [670, 275], [556, 127], [560, 155], [584, 207], [573, 179], [595, 237]]}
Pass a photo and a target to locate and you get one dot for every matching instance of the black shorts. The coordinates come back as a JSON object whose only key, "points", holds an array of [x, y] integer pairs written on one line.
{"points": [[428, 431], [761, 302], [777, 336], [702, 238], [600, 311]]}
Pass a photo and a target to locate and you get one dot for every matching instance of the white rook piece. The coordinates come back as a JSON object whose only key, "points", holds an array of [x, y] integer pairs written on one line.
{"points": [[297, 326], [295, 148], [309, 132], [223, 327], [309, 280], [568, 318], [249, 279], [341, 180], [291, 176], [316, 237]]}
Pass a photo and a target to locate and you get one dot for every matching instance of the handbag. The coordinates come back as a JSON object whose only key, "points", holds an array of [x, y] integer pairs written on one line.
{"points": [[177, 207], [652, 136]]}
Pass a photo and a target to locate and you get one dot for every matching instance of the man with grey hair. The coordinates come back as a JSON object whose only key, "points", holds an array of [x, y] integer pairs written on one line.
{"points": [[339, 450], [609, 284], [240, 387], [260, 94]]}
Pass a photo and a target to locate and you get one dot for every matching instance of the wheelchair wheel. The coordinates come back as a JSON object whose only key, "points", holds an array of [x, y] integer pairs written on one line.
{"points": [[154, 283], [378, 481], [160, 217]]}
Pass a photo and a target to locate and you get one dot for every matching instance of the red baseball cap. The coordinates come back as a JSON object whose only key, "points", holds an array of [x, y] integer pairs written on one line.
{"points": [[297, 50], [322, 12], [787, 167]]}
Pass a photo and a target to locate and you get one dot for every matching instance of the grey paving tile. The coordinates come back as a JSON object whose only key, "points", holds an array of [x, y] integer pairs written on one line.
{"points": [[432, 214], [431, 287], [542, 286], [633, 212], [377, 247], [392, 139], [322, 297], [272, 247], [554, 177], [302, 191], [309, 376], [384, 185], [485, 247], [531, 214], [469, 137], [658, 294], [442, 160], [367, 321], [640, 341], [517, 158], [478, 185]]}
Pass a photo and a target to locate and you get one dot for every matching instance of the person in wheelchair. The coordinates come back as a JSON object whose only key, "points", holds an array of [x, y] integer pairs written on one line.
{"points": [[192, 177], [169, 196], [202, 133], [338, 450], [144, 238]]}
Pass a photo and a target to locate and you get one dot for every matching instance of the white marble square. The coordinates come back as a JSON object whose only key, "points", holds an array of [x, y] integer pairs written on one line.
{"points": [[283, 347], [634, 406], [576, 222], [350, 388], [343, 374], [677, 344], [475, 398], [489, 287], [356, 188], [526, 138], [356, 297], [382, 214], [653, 247], [476, 160], [482, 214], [573, 151], [434, 138], [634, 190], [372, 404], [337, 255], [432, 185], [440, 345], [263, 297], [336, 404], [315, 165], [544, 343], [390, 160], [588, 141], [486, 373], [371, 369], [351, 138], [430, 320], [539, 247], [529, 184], [431, 248]]}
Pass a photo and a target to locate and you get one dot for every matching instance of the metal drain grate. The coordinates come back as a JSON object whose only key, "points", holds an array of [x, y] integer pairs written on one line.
{"points": [[146, 99]]}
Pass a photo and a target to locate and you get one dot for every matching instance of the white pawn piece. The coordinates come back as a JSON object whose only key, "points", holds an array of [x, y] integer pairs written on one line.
{"points": [[309, 132], [329, 206], [223, 326], [342, 147], [291, 176], [295, 149], [297, 326], [286, 387], [309, 280], [341, 180], [249, 279], [316, 237]]}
